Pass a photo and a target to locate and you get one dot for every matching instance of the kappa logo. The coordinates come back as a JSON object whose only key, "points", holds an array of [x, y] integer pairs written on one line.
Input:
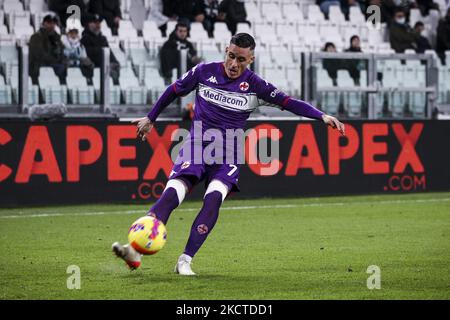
{"points": [[244, 86], [185, 165], [212, 79]]}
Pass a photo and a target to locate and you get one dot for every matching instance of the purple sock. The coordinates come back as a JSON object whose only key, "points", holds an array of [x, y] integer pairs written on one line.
{"points": [[162, 209], [204, 223]]}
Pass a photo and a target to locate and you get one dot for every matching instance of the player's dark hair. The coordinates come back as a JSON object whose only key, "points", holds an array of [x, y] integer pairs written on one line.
{"points": [[243, 40], [419, 24]]}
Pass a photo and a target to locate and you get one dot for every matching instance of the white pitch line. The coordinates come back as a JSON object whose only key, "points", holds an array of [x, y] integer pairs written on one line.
{"points": [[326, 204]]}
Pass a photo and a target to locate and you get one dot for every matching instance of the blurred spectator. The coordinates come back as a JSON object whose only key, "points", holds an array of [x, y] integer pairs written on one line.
{"points": [[185, 11], [60, 8], [354, 66], [326, 4], [232, 12], [75, 52], [108, 10], [46, 49], [170, 52], [387, 8], [425, 6], [443, 36], [346, 4], [331, 65], [156, 14], [94, 42], [402, 36], [422, 42], [211, 10]]}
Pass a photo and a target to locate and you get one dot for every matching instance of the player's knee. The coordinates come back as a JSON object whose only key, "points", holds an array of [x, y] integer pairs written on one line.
{"points": [[216, 186], [180, 188]]}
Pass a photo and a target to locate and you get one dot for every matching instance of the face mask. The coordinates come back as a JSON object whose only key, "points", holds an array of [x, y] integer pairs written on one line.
{"points": [[74, 42], [400, 20]]}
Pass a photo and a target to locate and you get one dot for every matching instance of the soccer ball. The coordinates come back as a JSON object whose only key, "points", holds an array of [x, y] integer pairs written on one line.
{"points": [[147, 235]]}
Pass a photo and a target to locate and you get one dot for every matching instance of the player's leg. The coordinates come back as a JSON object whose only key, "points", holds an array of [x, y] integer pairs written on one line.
{"points": [[172, 196], [203, 224]]}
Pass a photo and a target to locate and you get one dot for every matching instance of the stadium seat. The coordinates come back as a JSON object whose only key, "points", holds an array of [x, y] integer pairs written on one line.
{"points": [[244, 27], [352, 101], [127, 30], [19, 18], [51, 89], [79, 90], [315, 14], [197, 32], [292, 12], [328, 100], [33, 90], [356, 16], [253, 11], [37, 6], [132, 91], [335, 15], [393, 77], [114, 91], [272, 12], [153, 82], [5, 92], [221, 30], [23, 32], [9, 58], [151, 31], [415, 16], [10, 6]]}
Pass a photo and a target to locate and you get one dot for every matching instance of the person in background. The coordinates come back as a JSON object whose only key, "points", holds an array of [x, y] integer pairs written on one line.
{"points": [[211, 8], [387, 8], [443, 36], [94, 42], [426, 5], [75, 52], [46, 50], [60, 8], [185, 11], [401, 35], [354, 66], [422, 42], [232, 12], [331, 65], [170, 52], [326, 4], [156, 14], [108, 10]]}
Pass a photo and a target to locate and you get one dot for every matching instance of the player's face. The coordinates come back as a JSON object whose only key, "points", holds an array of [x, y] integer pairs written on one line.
{"points": [[237, 60]]}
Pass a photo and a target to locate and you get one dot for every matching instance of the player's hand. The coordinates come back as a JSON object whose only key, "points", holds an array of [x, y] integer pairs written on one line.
{"points": [[143, 127], [334, 123]]}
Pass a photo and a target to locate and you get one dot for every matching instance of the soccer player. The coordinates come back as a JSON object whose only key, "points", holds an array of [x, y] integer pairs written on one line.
{"points": [[226, 93]]}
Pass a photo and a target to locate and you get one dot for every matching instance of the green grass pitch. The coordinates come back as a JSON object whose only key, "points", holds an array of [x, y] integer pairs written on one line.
{"points": [[308, 248]]}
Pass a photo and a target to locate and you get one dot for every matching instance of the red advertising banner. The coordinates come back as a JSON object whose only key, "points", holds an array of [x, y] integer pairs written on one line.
{"points": [[98, 161]]}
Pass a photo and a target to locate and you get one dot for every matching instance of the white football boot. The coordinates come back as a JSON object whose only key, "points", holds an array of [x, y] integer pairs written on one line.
{"points": [[128, 254], [183, 266]]}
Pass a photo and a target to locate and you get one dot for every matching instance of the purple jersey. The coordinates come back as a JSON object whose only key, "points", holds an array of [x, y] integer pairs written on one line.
{"points": [[223, 103]]}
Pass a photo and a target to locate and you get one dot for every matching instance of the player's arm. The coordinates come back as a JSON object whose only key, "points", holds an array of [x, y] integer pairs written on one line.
{"points": [[270, 94], [179, 88]]}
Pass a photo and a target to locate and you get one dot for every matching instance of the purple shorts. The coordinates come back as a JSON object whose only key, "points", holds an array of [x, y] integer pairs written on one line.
{"points": [[195, 173]]}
